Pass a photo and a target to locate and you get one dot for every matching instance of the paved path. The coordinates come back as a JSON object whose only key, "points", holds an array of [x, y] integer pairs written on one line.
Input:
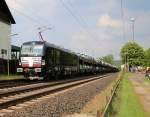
{"points": [[142, 89]]}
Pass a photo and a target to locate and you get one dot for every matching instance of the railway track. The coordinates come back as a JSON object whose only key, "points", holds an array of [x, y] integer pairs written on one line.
{"points": [[15, 83], [13, 96], [23, 82]]}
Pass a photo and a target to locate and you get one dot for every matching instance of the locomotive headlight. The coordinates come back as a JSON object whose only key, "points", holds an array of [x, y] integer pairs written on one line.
{"points": [[19, 63], [37, 69], [19, 70], [43, 62]]}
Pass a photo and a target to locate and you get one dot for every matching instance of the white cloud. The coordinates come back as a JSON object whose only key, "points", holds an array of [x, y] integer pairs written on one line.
{"points": [[107, 21], [98, 45]]}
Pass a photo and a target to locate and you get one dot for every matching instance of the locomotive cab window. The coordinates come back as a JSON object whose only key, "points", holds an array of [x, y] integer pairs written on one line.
{"points": [[32, 50]]}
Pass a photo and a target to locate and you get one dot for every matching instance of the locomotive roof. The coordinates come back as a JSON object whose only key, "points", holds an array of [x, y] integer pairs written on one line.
{"points": [[87, 58], [30, 42], [50, 45]]}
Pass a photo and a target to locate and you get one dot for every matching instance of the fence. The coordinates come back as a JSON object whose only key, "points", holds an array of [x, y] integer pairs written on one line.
{"points": [[107, 110], [13, 64]]}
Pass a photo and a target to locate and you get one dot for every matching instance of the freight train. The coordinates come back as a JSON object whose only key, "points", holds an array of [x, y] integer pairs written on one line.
{"points": [[42, 60]]}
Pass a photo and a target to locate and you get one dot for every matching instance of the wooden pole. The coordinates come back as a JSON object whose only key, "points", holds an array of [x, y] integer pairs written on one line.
{"points": [[98, 113]]}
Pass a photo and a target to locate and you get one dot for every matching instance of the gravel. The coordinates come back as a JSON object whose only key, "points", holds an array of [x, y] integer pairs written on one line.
{"points": [[67, 102]]}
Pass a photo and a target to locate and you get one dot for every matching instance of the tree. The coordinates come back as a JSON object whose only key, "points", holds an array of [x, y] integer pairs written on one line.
{"points": [[108, 59], [132, 53], [147, 57]]}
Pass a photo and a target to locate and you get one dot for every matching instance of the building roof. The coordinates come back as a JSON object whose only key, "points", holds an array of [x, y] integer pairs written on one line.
{"points": [[4, 8]]}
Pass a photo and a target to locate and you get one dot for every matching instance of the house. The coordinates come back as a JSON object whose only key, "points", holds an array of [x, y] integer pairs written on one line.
{"points": [[15, 51], [6, 20]]}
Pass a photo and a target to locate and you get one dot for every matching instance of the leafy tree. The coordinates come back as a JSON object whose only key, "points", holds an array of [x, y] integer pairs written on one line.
{"points": [[132, 53], [147, 57], [108, 59]]}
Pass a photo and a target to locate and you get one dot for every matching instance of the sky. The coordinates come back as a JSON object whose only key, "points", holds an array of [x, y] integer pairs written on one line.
{"points": [[92, 27]]}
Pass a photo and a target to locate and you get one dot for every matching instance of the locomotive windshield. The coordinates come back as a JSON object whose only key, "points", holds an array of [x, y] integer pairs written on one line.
{"points": [[32, 50]]}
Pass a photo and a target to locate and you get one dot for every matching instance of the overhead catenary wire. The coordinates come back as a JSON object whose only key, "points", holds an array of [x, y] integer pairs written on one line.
{"points": [[32, 11], [27, 16], [80, 20], [72, 14], [76, 12], [32, 17], [36, 19]]}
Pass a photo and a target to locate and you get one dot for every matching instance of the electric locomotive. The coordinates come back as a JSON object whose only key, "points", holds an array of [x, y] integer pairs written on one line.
{"points": [[39, 59]]}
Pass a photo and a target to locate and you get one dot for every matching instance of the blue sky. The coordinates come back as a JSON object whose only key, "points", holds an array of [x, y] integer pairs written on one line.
{"points": [[93, 27]]}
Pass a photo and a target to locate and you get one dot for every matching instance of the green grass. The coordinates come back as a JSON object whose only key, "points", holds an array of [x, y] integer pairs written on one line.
{"points": [[129, 103], [10, 77], [126, 102]]}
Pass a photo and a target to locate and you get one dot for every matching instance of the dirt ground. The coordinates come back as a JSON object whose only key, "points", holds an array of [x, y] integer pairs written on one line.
{"points": [[142, 89]]}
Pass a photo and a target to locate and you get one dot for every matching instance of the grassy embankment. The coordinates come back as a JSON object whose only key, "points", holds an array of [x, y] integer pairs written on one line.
{"points": [[10, 77], [99, 101], [126, 102]]}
